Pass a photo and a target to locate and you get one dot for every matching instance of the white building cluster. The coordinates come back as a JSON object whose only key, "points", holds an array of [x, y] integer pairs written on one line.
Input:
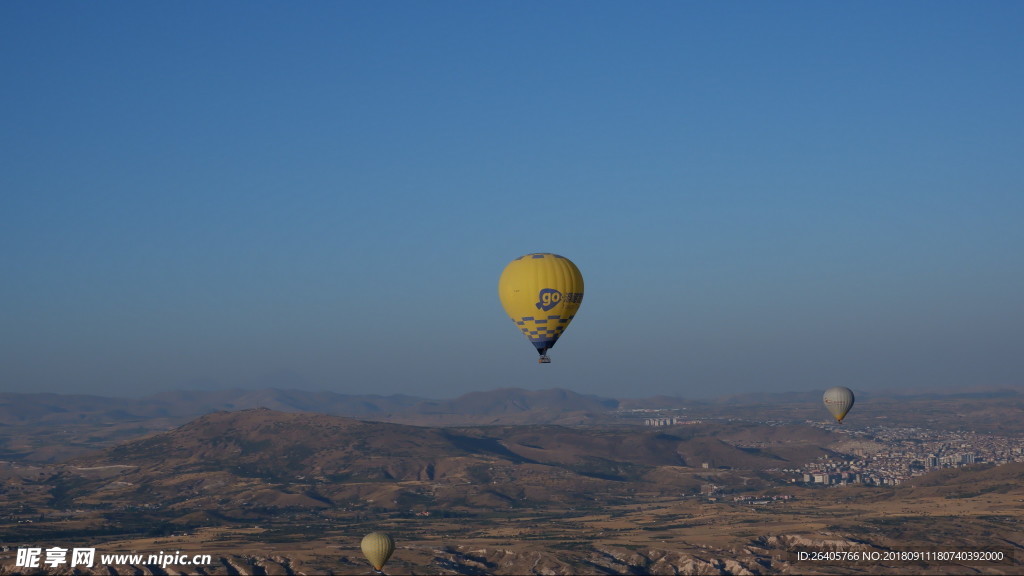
{"points": [[661, 421], [669, 421], [911, 452]]}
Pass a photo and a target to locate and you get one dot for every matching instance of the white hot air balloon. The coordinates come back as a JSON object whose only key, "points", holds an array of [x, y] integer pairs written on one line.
{"points": [[838, 400], [377, 547]]}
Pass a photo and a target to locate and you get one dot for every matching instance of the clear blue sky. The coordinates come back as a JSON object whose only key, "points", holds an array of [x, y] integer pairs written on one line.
{"points": [[322, 195]]}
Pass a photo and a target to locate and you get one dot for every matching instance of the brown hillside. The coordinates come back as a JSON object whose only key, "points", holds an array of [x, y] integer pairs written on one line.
{"points": [[242, 464]]}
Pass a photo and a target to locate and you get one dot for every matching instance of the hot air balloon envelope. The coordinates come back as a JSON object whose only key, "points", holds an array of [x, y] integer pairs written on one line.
{"points": [[377, 547], [541, 293], [838, 400]]}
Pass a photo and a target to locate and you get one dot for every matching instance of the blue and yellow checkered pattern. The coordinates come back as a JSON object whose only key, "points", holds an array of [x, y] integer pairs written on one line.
{"points": [[543, 331]]}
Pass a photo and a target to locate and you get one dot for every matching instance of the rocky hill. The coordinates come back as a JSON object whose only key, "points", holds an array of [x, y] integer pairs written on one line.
{"points": [[243, 463]]}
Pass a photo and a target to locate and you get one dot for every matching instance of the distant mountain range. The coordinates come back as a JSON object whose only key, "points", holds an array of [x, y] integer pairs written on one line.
{"points": [[501, 406], [510, 405]]}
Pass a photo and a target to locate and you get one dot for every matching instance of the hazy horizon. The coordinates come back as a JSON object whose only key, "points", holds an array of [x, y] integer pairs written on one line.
{"points": [[760, 197]]}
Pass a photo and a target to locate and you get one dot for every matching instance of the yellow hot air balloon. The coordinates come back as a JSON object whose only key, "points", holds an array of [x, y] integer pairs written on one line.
{"points": [[541, 293], [377, 547]]}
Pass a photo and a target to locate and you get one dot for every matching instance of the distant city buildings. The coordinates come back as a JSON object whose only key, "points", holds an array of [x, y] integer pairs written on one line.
{"points": [[661, 421], [888, 455], [669, 421], [656, 417], [909, 452]]}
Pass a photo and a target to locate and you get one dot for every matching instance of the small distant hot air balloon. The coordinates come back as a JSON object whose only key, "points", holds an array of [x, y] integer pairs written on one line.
{"points": [[838, 400], [541, 292], [377, 547]]}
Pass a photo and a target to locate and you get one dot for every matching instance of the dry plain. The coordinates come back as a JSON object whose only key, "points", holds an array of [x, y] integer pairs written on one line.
{"points": [[269, 492]]}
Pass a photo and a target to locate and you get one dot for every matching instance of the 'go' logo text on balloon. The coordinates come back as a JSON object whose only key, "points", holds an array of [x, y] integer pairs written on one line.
{"points": [[548, 299]]}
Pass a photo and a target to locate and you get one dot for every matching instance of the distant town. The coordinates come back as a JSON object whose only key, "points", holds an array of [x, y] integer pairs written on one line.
{"points": [[884, 455], [905, 453]]}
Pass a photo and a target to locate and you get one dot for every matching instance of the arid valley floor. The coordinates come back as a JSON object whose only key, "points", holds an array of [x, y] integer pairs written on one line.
{"points": [[525, 484]]}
